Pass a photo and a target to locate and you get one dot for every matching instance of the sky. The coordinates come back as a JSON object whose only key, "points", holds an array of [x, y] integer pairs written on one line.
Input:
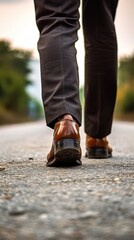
{"points": [[17, 23]]}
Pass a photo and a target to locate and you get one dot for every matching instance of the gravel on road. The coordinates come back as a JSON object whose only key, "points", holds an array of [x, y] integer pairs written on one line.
{"points": [[92, 201]]}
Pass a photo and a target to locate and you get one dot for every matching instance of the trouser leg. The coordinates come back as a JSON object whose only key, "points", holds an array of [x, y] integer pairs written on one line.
{"points": [[58, 22], [100, 65]]}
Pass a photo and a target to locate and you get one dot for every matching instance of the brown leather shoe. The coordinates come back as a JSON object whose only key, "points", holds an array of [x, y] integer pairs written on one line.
{"points": [[97, 148], [65, 150]]}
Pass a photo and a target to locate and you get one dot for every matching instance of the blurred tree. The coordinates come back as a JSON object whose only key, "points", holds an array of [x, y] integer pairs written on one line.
{"points": [[14, 70], [125, 96], [14, 73], [126, 70]]}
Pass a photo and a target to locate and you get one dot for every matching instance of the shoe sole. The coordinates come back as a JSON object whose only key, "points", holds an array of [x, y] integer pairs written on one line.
{"points": [[98, 153], [67, 153]]}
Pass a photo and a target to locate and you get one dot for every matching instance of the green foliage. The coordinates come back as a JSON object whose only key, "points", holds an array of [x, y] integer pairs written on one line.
{"points": [[126, 70], [81, 94], [6, 116], [13, 95], [128, 101], [14, 79], [125, 96]]}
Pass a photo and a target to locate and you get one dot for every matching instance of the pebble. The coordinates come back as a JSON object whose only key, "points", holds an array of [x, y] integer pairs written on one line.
{"points": [[2, 168], [43, 216], [15, 211], [88, 214], [85, 203], [116, 179], [30, 158]]}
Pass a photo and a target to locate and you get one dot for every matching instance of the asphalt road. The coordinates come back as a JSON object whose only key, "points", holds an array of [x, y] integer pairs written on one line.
{"points": [[92, 201]]}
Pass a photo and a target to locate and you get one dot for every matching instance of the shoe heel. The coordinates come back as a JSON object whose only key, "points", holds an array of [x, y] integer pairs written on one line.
{"points": [[67, 144], [67, 152], [96, 153]]}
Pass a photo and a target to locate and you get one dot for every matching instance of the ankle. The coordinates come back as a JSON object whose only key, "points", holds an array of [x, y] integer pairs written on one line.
{"points": [[66, 117]]}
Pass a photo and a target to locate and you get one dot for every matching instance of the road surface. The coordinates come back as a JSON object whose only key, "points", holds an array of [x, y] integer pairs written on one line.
{"points": [[90, 202]]}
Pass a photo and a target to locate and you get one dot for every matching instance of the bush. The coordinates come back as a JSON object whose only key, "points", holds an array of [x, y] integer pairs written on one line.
{"points": [[6, 117], [14, 79], [128, 101], [124, 109]]}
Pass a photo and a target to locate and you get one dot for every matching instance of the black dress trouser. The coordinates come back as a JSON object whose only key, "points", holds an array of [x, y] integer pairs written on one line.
{"points": [[58, 22]]}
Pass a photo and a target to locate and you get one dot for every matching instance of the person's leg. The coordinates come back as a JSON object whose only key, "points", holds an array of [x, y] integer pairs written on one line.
{"points": [[58, 22], [100, 66]]}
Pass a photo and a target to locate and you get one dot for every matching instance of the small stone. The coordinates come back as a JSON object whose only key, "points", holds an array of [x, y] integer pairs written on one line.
{"points": [[116, 179], [16, 211], [10, 162], [99, 194], [7, 197], [116, 199], [106, 197], [88, 214], [30, 158], [43, 216], [2, 168], [90, 190]]}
